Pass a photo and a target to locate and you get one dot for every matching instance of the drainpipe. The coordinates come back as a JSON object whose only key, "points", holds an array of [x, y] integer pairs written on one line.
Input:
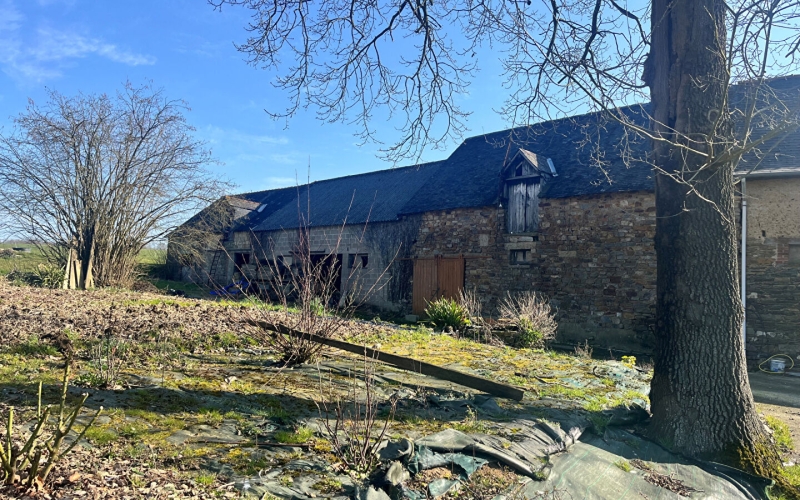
{"points": [[744, 261]]}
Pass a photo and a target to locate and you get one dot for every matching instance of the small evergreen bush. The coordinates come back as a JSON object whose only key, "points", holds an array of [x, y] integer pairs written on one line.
{"points": [[445, 312]]}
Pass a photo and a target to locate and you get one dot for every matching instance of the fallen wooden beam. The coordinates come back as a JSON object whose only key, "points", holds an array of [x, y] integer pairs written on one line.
{"points": [[473, 381]]}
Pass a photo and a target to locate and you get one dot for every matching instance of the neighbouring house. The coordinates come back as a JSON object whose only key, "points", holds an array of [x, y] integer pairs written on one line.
{"points": [[563, 207]]}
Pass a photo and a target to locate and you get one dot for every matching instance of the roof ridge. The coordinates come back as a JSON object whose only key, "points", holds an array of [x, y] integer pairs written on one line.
{"points": [[350, 176]]}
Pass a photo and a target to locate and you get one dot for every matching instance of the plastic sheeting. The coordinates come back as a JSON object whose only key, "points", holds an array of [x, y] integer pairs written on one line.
{"points": [[594, 469]]}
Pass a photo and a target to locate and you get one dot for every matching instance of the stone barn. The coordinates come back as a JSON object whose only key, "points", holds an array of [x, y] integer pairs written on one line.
{"points": [[563, 207]]}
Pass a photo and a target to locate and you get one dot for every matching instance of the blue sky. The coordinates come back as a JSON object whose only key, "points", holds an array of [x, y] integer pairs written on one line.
{"points": [[186, 48]]}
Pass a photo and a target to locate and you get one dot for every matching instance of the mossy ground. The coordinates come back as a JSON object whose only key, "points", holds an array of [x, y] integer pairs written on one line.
{"points": [[175, 382]]}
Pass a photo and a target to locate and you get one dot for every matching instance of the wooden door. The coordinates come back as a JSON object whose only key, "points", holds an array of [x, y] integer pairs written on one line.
{"points": [[434, 278], [425, 284], [523, 206], [450, 277]]}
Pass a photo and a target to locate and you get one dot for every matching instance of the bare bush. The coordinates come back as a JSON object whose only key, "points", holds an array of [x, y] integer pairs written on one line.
{"points": [[584, 351], [99, 177], [352, 422], [312, 288], [108, 358], [29, 460], [471, 303], [531, 314]]}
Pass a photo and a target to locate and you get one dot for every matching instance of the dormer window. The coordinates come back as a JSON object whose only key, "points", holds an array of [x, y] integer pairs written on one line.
{"points": [[522, 181]]}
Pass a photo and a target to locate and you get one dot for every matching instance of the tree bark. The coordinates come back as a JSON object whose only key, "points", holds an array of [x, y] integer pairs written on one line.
{"points": [[701, 400]]}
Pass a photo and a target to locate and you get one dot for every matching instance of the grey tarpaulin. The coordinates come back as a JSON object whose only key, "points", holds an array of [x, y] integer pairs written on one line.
{"points": [[591, 471], [425, 459], [526, 455]]}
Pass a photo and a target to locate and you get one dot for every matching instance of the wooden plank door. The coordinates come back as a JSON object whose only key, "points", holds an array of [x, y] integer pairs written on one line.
{"points": [[425, 284], [434, 278], [450, 277]]}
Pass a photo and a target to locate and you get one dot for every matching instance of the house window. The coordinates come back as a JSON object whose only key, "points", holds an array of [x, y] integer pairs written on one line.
{"points": [[357, 260], [241, 259], [518, 257], [794, 254]]}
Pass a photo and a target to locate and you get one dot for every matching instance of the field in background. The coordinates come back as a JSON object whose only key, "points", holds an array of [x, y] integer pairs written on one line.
{"points": [[152, 264], [151, 261], [21, 261]]}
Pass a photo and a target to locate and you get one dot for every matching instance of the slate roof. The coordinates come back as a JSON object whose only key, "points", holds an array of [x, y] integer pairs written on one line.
{"points": [[375, 197], [783, 153], [589, 153]]}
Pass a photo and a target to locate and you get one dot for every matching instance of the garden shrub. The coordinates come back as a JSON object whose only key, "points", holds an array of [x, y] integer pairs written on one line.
{"points": [[531, 313], [445, 312]]}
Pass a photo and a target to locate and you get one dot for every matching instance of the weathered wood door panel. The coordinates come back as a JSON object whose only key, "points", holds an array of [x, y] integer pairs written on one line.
{"points": [[523, 207], [425, 284], [434, 278], [450, 275]]}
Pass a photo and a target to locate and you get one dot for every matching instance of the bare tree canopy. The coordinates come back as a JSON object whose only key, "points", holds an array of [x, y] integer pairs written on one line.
{"points": [[103, 176], [349, 58]]}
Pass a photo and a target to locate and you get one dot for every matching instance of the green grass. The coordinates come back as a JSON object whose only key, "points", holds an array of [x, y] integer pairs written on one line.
{"points": [[300, 436], [623, 465], [780, 432], [34, 347], [191, 289], [792, 474], [22, 261], [205, 479], [100, 436], [152, 256]]}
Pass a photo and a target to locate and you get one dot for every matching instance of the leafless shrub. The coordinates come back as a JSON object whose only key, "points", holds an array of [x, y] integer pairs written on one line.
{"points": [[317, 293], [108, 358], [101, 176], [29, 460], [584, 351], [532, 315], [471, 303], [7, 253], [352, 422]]}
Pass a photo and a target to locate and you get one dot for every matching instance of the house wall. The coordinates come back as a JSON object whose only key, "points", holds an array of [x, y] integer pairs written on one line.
{"points": [[773, 278], [593, 256], [598, 264], [380, 284]]}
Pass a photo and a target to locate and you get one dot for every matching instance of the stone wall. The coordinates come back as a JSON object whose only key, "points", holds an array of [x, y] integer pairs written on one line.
{"points": [[598, 265], [593, 256], [773, 268]]}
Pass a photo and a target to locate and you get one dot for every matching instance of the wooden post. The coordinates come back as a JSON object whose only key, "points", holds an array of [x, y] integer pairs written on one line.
{"points": [[473, 381]]}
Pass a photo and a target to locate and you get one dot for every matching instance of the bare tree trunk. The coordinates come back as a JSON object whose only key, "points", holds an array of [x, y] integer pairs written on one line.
{"points": [[701, 399]]}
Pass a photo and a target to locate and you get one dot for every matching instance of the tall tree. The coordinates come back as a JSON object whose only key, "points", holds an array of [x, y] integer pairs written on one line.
{"points": [[698, 408], [347, 58], [102, 176]]}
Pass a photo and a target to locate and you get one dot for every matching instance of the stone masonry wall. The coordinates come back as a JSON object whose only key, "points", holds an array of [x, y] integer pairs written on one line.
{"points": [[593, 256], [773, 268], [598, 264]]}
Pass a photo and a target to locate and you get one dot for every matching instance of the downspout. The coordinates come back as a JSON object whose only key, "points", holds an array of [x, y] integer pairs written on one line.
{"points": [[744, 262]]}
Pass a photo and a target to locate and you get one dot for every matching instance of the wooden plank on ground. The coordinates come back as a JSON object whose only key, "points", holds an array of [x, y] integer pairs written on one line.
{"points": [[473, 381]]}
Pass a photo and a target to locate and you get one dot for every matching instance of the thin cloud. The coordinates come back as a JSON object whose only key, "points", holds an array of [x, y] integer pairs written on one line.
{"points": [[44, 54], [218, 135], [279, 182], [56, 46]]}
